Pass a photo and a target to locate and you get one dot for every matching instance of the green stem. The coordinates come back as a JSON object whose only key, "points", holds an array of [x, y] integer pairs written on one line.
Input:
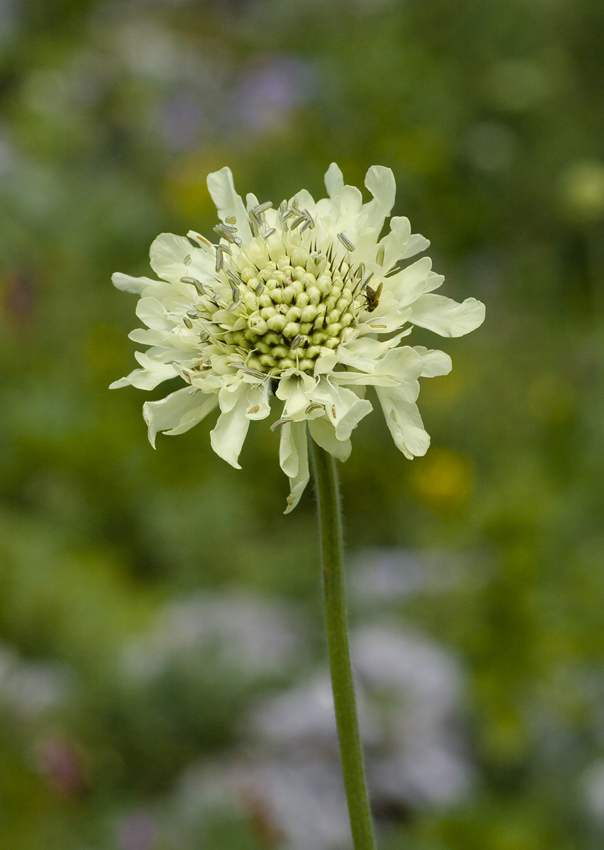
{"points": [[342, 682]]}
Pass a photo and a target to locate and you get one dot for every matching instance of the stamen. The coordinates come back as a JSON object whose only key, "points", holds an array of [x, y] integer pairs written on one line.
{"points": [[227, 233], [259, 289], [188, 322], [255, 372], [196, 283], [234, 279], [310, 222], [279, 423], [187, 260], [193, 314], [231, 220], [298, 221], [379, 257], [366, 281], [254, 223], [269, 232], [219, 259], [314, 406], [346, 242], [296, 341], [261, 208]]}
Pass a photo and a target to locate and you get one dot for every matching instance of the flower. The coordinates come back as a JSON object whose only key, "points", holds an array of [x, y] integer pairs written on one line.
{"points": [[305, 304]]}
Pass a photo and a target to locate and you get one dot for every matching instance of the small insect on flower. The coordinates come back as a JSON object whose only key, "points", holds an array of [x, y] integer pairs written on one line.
{"points": [[279, 313], [373, 297]]}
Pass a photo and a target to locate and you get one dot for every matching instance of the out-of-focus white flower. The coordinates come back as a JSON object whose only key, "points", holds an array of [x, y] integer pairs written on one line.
{"points": [[304, 303]]}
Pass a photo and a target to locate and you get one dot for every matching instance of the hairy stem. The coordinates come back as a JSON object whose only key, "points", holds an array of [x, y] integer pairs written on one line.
{"points": [[332, 553]]}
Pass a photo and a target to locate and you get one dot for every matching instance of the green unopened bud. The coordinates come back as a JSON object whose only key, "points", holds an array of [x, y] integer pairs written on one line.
{"points": [[250, 300], [314, 294], [308, 314], [276, 322]]}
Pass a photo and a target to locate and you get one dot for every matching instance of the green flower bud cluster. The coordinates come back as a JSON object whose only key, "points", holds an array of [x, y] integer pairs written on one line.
{"points": [[294, 309]]}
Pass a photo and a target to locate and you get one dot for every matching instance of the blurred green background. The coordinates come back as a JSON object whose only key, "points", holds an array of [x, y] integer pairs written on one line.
{"points": [[149, 600]]}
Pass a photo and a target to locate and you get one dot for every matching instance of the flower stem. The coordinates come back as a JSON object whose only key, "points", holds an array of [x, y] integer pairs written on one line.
{"points": [[332, 552]]}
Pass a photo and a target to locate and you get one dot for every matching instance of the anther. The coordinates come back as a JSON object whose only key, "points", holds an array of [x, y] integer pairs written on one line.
{"points": [[298, 221], [231, 220], [379, 257], [234, 279], [268, 233], [196, 283], [187, 260], [188, 322], [255, 372], [296, 342], [279, 423], [193, 314], [227, 233], [310, 222], [219, 259], [366, 281], [346, 242], [261, 208]]}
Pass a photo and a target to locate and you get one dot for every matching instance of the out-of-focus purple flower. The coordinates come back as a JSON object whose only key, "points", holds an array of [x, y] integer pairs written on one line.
{"points": [[137, 831], [61, 763], [271, 88], [180, 121]]}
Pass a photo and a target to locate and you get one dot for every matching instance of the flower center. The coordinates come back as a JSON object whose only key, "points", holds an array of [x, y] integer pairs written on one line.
{"points": [[280, 303], [293, 309]]}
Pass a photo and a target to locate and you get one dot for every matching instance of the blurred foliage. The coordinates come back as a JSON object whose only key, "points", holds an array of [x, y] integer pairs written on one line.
{"points": [[491, 118]]}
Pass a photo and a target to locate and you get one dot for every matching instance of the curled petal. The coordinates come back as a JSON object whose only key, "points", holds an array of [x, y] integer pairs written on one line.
{"points": [[258, 403], [380, 182], [228, 202], [167, 255], [400, 243], [323, 433], [434, 362], [293, 456], [343, 407], [404, 422], [445, 316], [334, 180], [154, 314], [184, 407], [138, 285], [153, 373], [231, 430]]}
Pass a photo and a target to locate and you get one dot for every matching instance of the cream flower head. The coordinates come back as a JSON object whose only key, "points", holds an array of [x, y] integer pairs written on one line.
{"points": [[305, 304]]}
